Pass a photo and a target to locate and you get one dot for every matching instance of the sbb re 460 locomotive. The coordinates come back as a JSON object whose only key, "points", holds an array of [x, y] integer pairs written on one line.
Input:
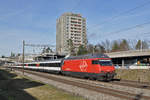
{"points": [[98, 66], [93, 66]]}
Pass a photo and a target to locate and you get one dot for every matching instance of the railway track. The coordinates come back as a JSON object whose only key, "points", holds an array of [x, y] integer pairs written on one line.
{"points": [[132, 84], [144, 84], [93, 87], [136, 82]]}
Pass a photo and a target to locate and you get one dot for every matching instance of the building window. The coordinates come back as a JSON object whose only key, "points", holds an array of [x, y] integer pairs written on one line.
{"points": [[73, 18]]}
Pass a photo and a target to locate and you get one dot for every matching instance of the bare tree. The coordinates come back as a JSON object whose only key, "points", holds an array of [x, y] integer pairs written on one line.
{"points": [[90, 48], [132, 44], [145, 45], [107, 45], [99, 48]]}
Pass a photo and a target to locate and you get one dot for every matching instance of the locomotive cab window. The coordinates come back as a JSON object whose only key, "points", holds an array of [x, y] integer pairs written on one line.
{"points": [[95, 62], [105, 62]]}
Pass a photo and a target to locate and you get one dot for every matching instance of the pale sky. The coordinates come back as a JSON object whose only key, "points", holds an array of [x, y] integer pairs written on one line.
{"points": [[35, 20]]}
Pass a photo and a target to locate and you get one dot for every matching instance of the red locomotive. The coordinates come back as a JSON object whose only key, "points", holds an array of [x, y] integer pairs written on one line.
{"points": [[98, 66]]}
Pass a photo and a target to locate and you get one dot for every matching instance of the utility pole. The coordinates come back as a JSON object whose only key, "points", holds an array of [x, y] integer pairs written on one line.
{"points": [[23, 56], [31, 45]]}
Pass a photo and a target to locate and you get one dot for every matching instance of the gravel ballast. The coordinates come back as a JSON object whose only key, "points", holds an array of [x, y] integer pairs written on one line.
{"points": [[90, 95]]}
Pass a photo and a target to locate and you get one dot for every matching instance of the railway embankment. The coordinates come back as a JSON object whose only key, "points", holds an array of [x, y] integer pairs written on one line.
{"points": [[141, 75], [93, 90], [19, 87], [90, 89]]}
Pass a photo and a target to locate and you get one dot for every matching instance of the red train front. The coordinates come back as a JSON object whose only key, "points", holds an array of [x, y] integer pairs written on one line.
{"points": [[98, 66]]}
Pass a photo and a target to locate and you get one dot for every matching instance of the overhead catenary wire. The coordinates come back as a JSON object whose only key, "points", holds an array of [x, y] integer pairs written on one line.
{"points": [[129, 28], [122, 13], [42, 46], [39, 45]]}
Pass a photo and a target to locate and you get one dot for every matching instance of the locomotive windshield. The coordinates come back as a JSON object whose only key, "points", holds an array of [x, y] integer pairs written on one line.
{"points": [[105, 62]]}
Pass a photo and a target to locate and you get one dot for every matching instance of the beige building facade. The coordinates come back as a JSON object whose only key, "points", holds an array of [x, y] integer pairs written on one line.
{"points": [[72, 27]]}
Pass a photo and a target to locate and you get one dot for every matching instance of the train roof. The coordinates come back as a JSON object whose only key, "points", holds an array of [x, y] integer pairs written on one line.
{"points": [[46, 61], [87, 56]]}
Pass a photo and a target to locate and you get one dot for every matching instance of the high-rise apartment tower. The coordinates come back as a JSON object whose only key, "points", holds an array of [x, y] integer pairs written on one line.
{"points": [[72, 27]]}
